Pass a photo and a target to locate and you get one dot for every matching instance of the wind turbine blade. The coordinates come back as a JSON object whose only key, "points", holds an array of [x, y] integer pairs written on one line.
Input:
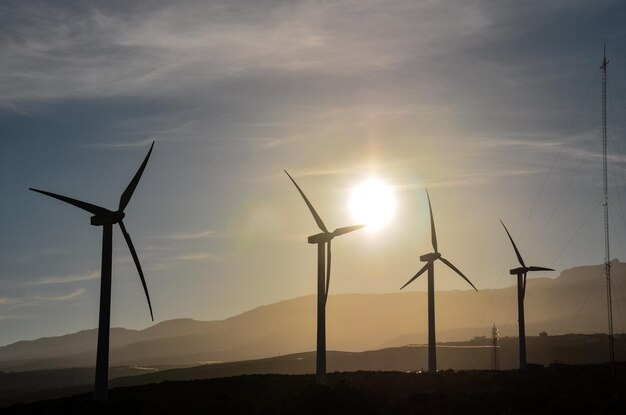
{"points": [[432, 223], [455, 269], [328, 259], [519, 256], [128, 193], [346, 229], [131, 247], [420, 272], [317, 218], [93, 209], [539, 269]]}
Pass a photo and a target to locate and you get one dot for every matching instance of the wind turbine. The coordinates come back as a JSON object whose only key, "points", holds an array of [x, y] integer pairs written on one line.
{"points": [[430, 259], [323, 241], [107, 218], [521, 292]]}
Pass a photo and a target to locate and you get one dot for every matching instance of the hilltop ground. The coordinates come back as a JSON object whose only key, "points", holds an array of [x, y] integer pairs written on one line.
{"points": [[16, 387], [556, 389]]}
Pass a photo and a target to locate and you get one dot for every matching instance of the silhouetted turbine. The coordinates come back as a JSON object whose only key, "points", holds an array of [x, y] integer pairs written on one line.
{"points": [[107, 218], [322, 239], [430, 266], [521, 272]]}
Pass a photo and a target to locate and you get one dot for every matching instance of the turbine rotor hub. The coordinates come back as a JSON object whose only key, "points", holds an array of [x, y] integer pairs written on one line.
{"points": [[518, 271], [110, 219], [433, 256], [320, 238]]}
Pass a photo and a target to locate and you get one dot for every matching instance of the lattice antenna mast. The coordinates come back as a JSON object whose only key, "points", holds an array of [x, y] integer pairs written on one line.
{"points": [[605, 203], [495, 358]]}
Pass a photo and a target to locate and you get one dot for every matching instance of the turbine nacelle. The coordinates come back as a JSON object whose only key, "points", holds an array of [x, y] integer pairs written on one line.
{"points": [[324, 237], [518, 271], [112, 219], [320, 238], [431, 257]]}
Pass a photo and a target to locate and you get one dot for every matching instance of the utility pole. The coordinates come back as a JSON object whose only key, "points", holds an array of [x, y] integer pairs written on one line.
{"points": [[605, 203], [495, 358]]}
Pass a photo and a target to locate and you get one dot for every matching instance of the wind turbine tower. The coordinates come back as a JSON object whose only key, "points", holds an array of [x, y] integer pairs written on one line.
{"points": [[107, 219], [322, 240], [430, 259], [521, 272]]}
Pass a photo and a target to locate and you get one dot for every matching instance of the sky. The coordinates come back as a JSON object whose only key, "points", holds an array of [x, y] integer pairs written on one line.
{"points": [[492, 106]]}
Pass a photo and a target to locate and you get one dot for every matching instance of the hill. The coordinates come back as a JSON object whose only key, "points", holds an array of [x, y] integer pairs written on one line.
{"points": [[575, 301], [554, 390]]}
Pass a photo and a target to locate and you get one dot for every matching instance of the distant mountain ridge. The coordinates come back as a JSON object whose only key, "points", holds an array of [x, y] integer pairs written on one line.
{"points": [[573, 302]]}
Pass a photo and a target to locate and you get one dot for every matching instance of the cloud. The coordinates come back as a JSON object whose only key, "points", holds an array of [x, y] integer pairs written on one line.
{"points": [[12, 303], [122, 145], [7, 300], [12, 317], [67, 278], [163, 257], [103, 50], [59, 298], [466, 179], [35, 254], [195, 256], [206, 234], [165, 262]]}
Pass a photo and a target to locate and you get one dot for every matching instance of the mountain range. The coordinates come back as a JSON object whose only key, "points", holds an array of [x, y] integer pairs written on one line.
{"points": [[575, 301]]}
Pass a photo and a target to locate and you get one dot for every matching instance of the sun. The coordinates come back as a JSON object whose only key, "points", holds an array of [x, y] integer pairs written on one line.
{"points": [[372, 203]]}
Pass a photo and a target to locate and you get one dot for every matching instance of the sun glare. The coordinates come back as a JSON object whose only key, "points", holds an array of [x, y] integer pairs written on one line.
{"points": [[372, 203]]}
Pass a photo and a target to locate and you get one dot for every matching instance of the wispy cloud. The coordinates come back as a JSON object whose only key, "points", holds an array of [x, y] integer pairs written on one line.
{"points": [[195, 256], [506, 142], [166, 256], [34, 300], [4, 317], [7, 300], [466, 179], [330, 171], [54, 52], [63, 297], [122, 145], [34, 255], [205, 234], [67, 278], [306, 172], [171, 261]]}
